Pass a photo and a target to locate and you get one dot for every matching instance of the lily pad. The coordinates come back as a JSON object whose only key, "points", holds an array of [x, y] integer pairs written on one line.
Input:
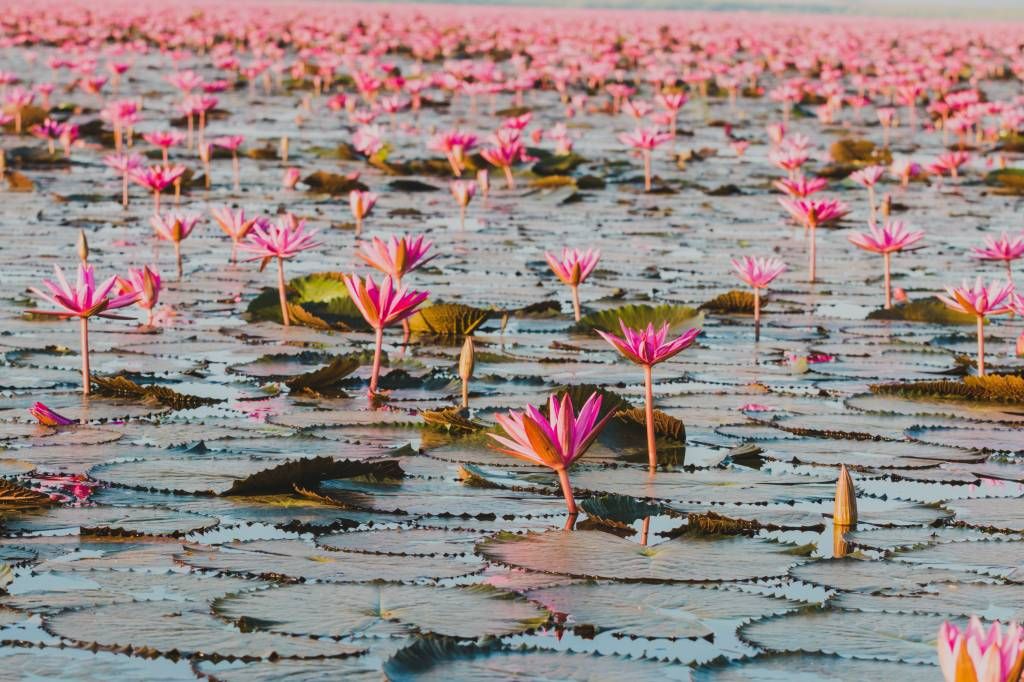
{"points": [[639, 316]]}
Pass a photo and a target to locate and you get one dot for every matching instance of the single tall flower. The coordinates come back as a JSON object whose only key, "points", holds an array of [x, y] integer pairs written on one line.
{"points": [[800, 187], [84, 300], [156, 179], [164, 140], [397, 256], [174, 227], [126, 165], [554, 441], [645, 140], [974, 655], [811, 213], [758, 272], [361, 204], [463, 191], [382, 306], [507, 151], [232, 143], [573, 269], [891, 237], [868, 178], [234, 224], [282, 240], [647, 347], [145, 283], [980, 301], [1006, 249]]}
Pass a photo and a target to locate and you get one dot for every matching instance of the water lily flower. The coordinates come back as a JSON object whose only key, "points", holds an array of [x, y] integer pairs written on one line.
{"points": [[398, 256], [381, 307], [156, 179], [573, 269], [361, 204], [174, 227], [758, 272], [980, 301], [47, 417], [886, 240], [463, 191], [868, 178], [800, 187], [368, 140], [1006, 249], [164, 140], [126, 165], [234, 224], [283, 239], [647, 347], [811, 213], [645, 140], [974, 655], [232, 143], [145, 283], [83, 300], [507, 150], [290, 178], [554, 441], [454, 144]]}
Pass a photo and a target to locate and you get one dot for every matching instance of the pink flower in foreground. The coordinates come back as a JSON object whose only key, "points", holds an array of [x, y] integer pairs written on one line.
{"points": [[381, 306], [83, 300], [886, 240], [1005, 248], [555, 441], [47, 417], [974, 655], [398, 256], [282, 240], [361, 204], [758, 272], [647, 348], [980, 301], [573, 269], [145, 283]]}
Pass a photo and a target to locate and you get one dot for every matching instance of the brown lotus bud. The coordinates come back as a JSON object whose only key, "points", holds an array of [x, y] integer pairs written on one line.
{"points": [[284, 148], [840, 545], [83, 247], [845, 513], [886, 206], [466, 359]]}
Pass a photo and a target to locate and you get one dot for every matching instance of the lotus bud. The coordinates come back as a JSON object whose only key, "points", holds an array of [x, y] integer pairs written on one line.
{"points": [[1020, 345], [284, 149], [466, 362], [900, 295], [845, 512], [83, 247], [840, 546], [886, 206]]}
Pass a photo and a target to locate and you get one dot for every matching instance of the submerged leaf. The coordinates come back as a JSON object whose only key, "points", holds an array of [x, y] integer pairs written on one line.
{"points": [[994, 388]]}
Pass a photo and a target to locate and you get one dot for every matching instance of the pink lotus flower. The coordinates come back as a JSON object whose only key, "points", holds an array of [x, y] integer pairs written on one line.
{"points": [[290, 178], [573, 269], [904, 170], [463, 191], [174, 228], [868, 178], [368, 140], [507, 151], [47, 417], [381, 307], [361, 204], [647, 348], [811, 213], [800, 187], [398, 256], [232, 143], [949, 162], [144, 282], [555, 441], [645, 140], [974, 655], [758, 272], [454, 144], [164, 141], [980, 301], [789, 159], [282, 240], [234, 224], [156, 179], [888, 239], [84, 300], [1005, 248]]}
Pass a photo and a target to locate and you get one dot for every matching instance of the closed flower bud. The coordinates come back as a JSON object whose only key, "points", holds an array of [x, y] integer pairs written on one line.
{"points": [[845, 513], [83, 247]]}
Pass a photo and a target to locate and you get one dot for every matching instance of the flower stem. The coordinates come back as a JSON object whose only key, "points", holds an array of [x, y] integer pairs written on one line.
{"points": [[177, 257], [652, 450], [757, 314], [124, 190], [888, 287], [813, 257], [86, 381], [981, 346], [570, 502], [281, 292], [376, 359], [647, 170], [576, 301]]}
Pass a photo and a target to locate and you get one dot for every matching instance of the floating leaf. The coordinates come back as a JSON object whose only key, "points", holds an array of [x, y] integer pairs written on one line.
{"points": [[334, 184], [611, 402], [619, 511], [639, 316], [665, 425], [319, 300], [189, 631], [447, 320], [859, 152], [1007, 389], [308, 473], [731, 303], [812, 668], [874, 577], [325, 377], [110, 520], [452, 420], [69, 665], [928, 309], [14, 496], [592, 554], [344, 610], [405, 542], [121, 386]]}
